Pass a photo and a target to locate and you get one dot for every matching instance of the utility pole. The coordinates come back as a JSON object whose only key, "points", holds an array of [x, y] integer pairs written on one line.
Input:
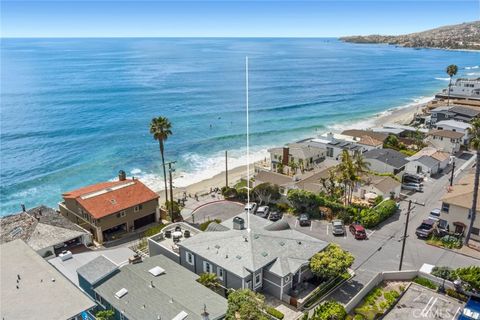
{"points": [[226, 168], [453, 171], [405, 235], [170, 169]]}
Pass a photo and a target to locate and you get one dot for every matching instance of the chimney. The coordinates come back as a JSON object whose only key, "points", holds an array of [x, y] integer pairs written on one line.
{"points": [[285, 159], [122, 176], [238, 223]]}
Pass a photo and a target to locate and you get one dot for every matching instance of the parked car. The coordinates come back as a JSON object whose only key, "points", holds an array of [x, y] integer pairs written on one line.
{"points": [[443, 227], [263, 211], [338, 228], [412, 178], [413, 186], [358, 231], [274, 216], [304, 220], [435, 214], [426, 228], [252, 206]]}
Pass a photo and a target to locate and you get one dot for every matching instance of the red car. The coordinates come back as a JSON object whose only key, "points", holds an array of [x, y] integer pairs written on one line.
{"points": [[358, 231]]}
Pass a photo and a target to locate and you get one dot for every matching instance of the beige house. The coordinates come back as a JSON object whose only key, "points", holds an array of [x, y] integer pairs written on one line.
{"points": [[110, 209], [284, 182], [305, 155], [372, 185], [456, 208], [445, 140]]}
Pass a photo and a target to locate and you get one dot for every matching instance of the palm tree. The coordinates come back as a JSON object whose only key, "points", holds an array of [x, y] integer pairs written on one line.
{"points": [[474, 133], [209, 280], [160, 128], [347, 174], [293, 166], [451, 71], [360, 167]]}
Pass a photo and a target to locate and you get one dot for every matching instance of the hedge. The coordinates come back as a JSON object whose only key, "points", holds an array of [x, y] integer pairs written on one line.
{"points": [[425, 282], [274, 312], [372, 217]]}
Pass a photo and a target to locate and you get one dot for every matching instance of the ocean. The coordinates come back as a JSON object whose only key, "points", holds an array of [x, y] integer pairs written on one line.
{"points": [[76, 111]]}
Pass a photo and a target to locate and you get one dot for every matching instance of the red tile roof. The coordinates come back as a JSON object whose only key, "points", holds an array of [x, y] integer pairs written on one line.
{"points": [[105, 198]]}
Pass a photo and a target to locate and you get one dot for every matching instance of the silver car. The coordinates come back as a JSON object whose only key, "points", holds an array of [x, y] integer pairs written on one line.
{"points": [[338, 228], [413, 186], [252, 207], [263, 211]]}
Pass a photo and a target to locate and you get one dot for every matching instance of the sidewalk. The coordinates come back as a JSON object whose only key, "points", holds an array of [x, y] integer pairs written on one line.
{"points": [[192, 204]]}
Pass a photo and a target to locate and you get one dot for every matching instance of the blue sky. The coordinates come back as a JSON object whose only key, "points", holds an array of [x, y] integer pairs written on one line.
{"points": [[248, 18]]}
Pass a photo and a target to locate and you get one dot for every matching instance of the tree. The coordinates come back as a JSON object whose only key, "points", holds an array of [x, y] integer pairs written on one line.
{"points": [[160, 128], [332, 189], [174, 208], [301, 165], [280, 168], [303, 201], [293, 166], [451, 71], [348, 177], [331, 262], [266, 192], [391, 142], [209, 280], [105, 315], [330, 310], [245, 305], [470, 275], [474, 133]]}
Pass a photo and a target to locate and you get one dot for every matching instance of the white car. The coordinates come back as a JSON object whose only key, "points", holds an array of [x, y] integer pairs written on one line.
{"points": [[252, 207], [435, 214], [263, 211], [413, 186]]}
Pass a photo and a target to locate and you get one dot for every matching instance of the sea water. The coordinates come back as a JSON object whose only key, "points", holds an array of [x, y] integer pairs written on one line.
{"points": [[76, 111]]}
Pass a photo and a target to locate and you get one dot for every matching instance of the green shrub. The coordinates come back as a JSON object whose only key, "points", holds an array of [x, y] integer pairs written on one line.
{"points": [[358, 317], [153, 230], [283, 207], [329, 310], [203, 226], [444, 273], [425, 282], [372, 217], [274, 312], [470, 275], [457, 295], [229, 193]]}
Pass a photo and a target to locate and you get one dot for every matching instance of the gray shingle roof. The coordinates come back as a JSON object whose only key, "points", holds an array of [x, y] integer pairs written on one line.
{"points": [[428, 161], [174, 291], [241, 252], [97, 269], [388, 156]]}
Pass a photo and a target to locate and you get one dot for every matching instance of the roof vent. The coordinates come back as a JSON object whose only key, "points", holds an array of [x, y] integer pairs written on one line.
{"points": [[264, 254], [120, 293], [282, 243], [156, 271], [238, 223], [239, 257], [217, 246], [113, 201]]}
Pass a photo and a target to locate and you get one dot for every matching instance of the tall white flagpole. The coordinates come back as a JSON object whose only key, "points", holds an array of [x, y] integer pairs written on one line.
{"points": [[248, 146]]}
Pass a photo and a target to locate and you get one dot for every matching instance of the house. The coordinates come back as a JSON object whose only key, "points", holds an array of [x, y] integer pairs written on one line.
{"points": [[445, 140], [458, 126], [269, 257], [456, 207], [424, 165], [334, 144], [313, 183], [454, 112], [368, 139], [385, 160], [440, 114], [44, 230], [110, 209], [284, 182], [462, 88], [32, 289], [304, 154], [383, 186], [155, 288]]}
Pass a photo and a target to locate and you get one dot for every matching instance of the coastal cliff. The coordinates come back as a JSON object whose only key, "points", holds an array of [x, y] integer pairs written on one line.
{"points": [[460, 36]]}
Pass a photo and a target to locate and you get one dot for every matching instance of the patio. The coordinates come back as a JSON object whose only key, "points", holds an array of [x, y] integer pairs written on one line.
{"points": [[174, 233]]}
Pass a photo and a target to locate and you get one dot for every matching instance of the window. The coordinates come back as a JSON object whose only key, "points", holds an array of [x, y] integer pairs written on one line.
{"points": [[123, 213], [190, 258], [469, 214], [220, 273], [100, 300], [258, 279], [445, 207], [329, 152], [138, 208], [476, 231], [207, 267]]}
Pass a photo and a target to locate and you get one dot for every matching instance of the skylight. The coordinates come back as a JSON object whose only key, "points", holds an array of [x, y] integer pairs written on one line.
{"points": [[120, 293], [182, 315], [156, 271]]}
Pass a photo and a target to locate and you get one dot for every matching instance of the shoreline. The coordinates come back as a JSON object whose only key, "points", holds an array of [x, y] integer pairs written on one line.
{"points": [[397, 115]]}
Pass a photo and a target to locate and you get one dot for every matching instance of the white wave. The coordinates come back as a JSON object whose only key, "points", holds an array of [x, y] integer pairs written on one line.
{"points": [[473, 74], [443, 79], [135, 171], [474, 67]]}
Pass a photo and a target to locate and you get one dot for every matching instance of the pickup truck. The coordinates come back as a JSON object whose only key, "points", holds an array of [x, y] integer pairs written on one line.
{"points": [[426, 228]]}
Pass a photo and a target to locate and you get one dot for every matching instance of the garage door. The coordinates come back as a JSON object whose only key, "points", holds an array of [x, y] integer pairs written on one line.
{"points": [[143, 221]]}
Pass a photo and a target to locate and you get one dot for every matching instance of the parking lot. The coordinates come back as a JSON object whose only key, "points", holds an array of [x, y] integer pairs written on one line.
{"points": [[421, 303]]}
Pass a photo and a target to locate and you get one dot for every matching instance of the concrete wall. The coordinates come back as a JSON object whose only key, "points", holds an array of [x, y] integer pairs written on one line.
{"points": [[155, 249], [272, 283], [379, 166], [445, 144], [411, 167]]}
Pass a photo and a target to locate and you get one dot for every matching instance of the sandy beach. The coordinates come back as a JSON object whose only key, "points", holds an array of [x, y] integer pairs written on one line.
{"points": [[403, 115]]}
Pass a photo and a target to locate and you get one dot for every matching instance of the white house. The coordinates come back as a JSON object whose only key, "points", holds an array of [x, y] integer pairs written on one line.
{"points": [[445, 140], [463, 88], [457, 126], [427, 161], [384, 186], [334, 144], [305, 155]]}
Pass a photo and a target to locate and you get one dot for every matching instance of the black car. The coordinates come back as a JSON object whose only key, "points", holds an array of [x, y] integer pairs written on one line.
{"points": [[412, 178], [304, 220], [274, 216]]}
